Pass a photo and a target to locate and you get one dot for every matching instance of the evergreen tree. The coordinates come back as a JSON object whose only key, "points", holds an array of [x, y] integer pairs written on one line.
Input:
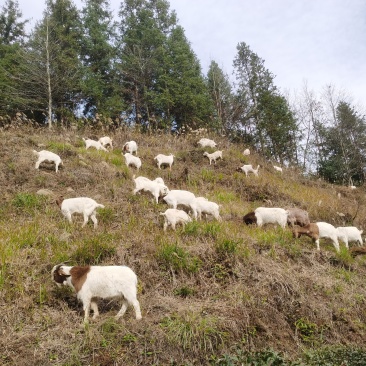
{"points": [[101, 92], [344, 147], [162, 78], [220, 91], [12, 37], [264, 113]]}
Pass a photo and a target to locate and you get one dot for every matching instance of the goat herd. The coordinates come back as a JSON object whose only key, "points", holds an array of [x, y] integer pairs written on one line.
{"points": [[91, 282]]}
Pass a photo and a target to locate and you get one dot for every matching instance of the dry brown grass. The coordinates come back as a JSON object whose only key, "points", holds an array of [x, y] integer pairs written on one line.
{"points": [[204, 291]]}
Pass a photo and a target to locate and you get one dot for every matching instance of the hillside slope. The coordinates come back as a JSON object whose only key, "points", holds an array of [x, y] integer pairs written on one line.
{"points": [[205, 291]]}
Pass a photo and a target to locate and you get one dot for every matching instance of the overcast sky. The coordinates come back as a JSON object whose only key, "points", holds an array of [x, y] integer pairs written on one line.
{"points": [[318, 41]]}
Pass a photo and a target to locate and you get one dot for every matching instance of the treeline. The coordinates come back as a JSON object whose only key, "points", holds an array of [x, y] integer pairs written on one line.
{"points": [[138, 69]]}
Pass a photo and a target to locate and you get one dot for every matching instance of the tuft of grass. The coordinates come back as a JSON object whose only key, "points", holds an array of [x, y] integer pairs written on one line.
{"points": [[28, 202], [171, 256], [227, 246], [94, 250], [193, 332]]}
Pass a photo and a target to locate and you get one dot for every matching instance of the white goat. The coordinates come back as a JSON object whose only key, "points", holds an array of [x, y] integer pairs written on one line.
{"points": [[47, 156], [185, 198], [164, 160], [105, 141], [83, 205], [93, 143], [267, 215], [130, 147], [132, 160], [317, 230], [204, 206], [205, 142], [278, 168], [173, 216], [348, 234], [249, 169], [246, 152], [106, 282], [214, 156], [155, 187]]}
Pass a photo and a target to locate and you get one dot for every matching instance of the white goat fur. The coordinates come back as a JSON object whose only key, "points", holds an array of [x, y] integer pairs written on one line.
{"points": [[205, 142], [106, 282], [106, 140], [185, 198], [246, 152], [316, 231], [278, 168], [249, 169], [132, 160], [173, 216], [271, 215], [156, 187], [93, 143], [214, 156], [349, 234], [204, 206], [83, 205], [47, 156], [162, 159], [130, 147]]}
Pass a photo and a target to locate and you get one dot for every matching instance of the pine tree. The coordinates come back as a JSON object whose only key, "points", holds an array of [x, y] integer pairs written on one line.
{"points": [[220, 91], [12, 38], [101, 91]]}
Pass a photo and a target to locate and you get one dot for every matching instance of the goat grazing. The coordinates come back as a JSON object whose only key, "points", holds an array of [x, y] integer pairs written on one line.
{"points": [[130, 147], [207, 207], [132, 160], [83, 205], [173, 216], [47, 156], [105, 141], [278, 168], [205, 142], [164, 160], [106, 282], [297, 216], [93, 143], [248, 169], [267, 215], [185, 198], [349, 234], [316, 231], [156, 187], [214, 156]]}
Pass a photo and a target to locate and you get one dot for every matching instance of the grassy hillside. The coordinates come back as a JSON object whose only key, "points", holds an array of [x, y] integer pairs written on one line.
{"points": [[213, 293]]}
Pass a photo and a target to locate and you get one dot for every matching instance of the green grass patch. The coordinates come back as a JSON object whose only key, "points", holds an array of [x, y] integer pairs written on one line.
{"points": [[94, 250], [171, 256], [194, 332]]}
